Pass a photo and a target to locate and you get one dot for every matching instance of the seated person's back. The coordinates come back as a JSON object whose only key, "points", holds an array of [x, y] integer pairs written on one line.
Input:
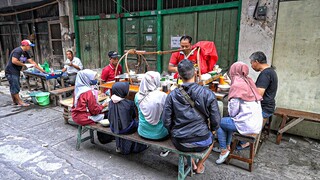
{"points": [[121, 116], [189, 127], [150, 102]]}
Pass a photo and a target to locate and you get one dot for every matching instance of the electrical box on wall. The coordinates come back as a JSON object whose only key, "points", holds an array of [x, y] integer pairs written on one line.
{"points": [[261, 12]]}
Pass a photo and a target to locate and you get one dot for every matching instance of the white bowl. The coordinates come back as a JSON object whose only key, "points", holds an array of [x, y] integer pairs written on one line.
{"points": [[224, 87], [104, 122]]}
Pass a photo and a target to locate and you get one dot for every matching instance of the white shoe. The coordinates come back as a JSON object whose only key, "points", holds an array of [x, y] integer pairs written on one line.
{"points": [[222, 158], [164, 153], [118, 150]]}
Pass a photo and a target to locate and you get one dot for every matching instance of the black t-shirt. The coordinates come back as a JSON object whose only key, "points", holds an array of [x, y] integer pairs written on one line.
{"points": [[268, 80], [21, 55]]}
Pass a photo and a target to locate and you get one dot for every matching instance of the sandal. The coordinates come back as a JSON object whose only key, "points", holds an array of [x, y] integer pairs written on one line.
{"points": [[23, 105], [240, 147], [201, 172]]}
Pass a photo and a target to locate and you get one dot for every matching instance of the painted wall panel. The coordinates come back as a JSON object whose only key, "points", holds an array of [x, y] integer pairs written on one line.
{"points": [[108, 38], [89, 44], [176, 25], [219, 26]]}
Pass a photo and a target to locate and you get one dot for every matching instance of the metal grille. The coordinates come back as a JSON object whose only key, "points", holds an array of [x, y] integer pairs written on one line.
{"points": [[170, 4], [24, 16], [139, 5], [7, 18], [96, 7], [47, 11]]}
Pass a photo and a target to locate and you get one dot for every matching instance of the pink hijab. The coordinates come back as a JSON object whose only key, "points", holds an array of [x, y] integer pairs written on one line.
{"points": [[242, 86]]}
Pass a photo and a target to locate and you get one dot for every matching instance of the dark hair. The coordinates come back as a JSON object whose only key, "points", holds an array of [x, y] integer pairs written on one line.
{"points": [[70, 51], [186, 37], [258, 56], [186, 69]]}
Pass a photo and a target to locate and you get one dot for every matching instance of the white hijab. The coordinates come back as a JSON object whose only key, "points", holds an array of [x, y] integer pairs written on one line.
{"points": [[82, 83], [151, 101]]}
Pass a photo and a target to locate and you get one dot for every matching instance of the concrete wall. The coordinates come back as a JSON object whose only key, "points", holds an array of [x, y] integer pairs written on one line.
{"points": [[66, 11], [256, 35], [293, 48], [297, 55], [297, 58]]}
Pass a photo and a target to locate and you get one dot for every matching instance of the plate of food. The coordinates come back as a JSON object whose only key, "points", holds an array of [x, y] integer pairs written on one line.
{"points": [[224, 87], [105, 122]]}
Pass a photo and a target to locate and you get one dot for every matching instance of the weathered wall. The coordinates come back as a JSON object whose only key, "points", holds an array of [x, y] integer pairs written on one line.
{"points": [[297, 58], [67, 27], [297, 55], [256, 35]]}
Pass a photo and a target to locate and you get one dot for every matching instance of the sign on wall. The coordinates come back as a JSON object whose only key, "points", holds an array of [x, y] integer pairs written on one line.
{"points": [[175, 41]]}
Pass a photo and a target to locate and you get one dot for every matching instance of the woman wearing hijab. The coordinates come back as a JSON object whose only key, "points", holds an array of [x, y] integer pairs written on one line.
{"points": [[85, 109], [244, 109], [150, 102], [121, 116]]}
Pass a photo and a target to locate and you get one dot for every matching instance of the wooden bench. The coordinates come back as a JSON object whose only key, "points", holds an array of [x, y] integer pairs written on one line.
{"points": [[290, 118], [57, 93], [254, 141], [165, 145], [67, 104]]}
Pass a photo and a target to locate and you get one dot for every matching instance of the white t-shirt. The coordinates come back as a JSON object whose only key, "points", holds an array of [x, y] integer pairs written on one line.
{"points": [[71, 69]]}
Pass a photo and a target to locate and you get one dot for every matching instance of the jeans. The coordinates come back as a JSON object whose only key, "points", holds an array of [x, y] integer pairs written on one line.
{"points": [[227, 127], [14, 82], [265, 115]]}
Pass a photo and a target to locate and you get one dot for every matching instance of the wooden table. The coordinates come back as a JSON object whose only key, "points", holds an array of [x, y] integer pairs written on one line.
{"points": [[44, 78], [290, 118], [135, 88]]}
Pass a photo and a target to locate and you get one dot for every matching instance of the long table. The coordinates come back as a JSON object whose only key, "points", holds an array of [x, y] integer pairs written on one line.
{"points": [[133, 89], [44, 79]]}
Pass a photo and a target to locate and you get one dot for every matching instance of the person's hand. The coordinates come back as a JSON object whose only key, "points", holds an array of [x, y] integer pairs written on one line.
{"points": [[105, 103], [103, 95], [70, 64], [226, 78]]}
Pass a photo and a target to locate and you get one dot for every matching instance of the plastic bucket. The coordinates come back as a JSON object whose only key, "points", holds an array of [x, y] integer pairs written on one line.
{"points": [[43, 98], [33, 96]]}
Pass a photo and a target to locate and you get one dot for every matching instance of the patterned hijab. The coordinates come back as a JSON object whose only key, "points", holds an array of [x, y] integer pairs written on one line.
{"points": [[150, 99], [242, 86]]}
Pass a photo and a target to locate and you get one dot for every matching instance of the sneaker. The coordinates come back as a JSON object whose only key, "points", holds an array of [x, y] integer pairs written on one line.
{"points": [[222, 158], [118, 150], [164, 153]]}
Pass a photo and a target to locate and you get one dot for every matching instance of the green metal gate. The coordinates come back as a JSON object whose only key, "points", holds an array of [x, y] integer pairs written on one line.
{"points": [[97, 38], [152, 27], [140, 34], [219, 26]]}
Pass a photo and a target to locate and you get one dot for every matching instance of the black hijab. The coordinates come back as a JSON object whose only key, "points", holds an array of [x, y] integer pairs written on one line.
{"points": [[120, 89], [121, 113]]}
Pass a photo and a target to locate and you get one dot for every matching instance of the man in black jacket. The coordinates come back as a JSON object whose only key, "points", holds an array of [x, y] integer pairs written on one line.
{"points": [[188, 125]]}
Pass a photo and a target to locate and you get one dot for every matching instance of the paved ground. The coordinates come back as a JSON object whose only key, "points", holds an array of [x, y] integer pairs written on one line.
{"points": [[36, 144]]}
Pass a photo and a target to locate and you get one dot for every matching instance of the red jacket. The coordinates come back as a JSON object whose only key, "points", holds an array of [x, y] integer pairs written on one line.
{"points": [[208, 55], [86, 102]]}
